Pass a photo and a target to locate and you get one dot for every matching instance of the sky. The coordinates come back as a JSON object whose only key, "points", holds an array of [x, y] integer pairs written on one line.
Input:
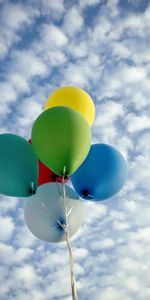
{"points": [[103, 47]]}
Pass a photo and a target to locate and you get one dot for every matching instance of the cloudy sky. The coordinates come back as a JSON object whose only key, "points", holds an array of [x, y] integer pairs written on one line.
{"points": [[103, 47]]}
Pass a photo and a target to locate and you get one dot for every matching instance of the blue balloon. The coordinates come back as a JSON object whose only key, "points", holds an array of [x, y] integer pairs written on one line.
{"points": [[101, 175]]}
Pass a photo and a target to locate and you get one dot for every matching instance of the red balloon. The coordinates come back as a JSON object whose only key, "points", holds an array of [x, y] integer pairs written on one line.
{"points": [[47, 175]]}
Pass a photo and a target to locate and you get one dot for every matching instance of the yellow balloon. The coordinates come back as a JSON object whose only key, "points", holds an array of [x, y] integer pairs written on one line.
{"points": [[73, 97]]}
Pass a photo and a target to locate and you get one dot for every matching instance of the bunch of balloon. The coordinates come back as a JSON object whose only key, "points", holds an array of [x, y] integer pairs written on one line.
{"points": [[60, 148], [39, 168], [61, 139]]}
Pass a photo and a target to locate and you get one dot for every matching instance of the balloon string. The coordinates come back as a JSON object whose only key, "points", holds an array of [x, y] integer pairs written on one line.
{"points": [[67, 235], [59, 191], [65, 227]]}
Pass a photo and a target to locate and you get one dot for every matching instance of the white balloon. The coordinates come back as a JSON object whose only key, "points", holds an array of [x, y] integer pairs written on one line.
{"points": [[44, 210]]}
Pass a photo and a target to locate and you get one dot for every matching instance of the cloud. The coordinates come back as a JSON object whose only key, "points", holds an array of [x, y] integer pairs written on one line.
{"points": [[14, 256], [8, 204], [14, 18], [53, 36], [8, 96], [108, 56], [136, 123], [53, 9], [108, 114], [86, 3], [53, 6], [82, 73], [78, 50], [8, 228], [73, 22], [27, 116], [21, 61], [26, 275]]}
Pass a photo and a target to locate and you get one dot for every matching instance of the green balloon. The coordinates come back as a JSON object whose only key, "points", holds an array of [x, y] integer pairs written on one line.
{"points": [[61, 138], [18, 166]]}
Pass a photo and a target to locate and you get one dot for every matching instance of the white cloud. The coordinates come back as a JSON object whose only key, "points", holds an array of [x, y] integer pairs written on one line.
{"points": [[109, 58], [108, 113], [82, 73], [144, 143], [78, 50], [27, 115], [80, 253], [137, 123], [56, 7], [48, 9], [73, 22], [25, 274], [55, 58], [103, 244], [101, 30], [8, 96], [50, 46], [111, 293], [23, 238], [24, 67], [132, 74], [7, 228], [139, 173], [28, 64], [14, 17], [8, 93], [124, 77], [18, 82], [85, 3], [52, 36], [8, 204], [121, 50], [11, 256]]}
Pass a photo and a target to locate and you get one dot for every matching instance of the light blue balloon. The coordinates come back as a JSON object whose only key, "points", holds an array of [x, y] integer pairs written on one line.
{"points": [[45, 211], [101, 175]]}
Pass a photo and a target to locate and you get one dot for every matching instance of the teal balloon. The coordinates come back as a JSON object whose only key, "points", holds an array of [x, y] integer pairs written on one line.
{"points": [[45, 211], [18, 166]]}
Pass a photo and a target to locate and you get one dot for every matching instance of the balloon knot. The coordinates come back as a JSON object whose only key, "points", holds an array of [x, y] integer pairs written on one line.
{"points": [[85, 193], [61, 225], [32, 189], [54, 177]]}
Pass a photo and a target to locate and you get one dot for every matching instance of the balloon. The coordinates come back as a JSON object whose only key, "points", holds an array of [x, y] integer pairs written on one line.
{"points": [[61, 138], [45, 210], [46, 175], [18, 166], [73, 97], [102, 174]]}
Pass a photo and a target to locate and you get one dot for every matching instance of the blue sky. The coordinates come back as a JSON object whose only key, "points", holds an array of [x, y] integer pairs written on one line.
{"points": [[103, 47]]}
